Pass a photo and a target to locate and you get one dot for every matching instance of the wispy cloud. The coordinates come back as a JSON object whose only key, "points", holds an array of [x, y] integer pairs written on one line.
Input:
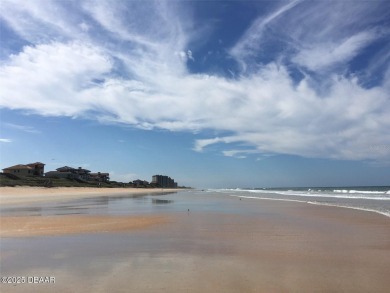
{"points": [[119, 67], [239, 154], [24, 128], [322, 56], [39, 22], [316, 35], [5, 140], [251, 42]]}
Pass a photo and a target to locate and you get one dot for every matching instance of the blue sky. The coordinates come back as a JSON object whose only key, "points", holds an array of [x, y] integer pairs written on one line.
{"points": [[212, 93]]}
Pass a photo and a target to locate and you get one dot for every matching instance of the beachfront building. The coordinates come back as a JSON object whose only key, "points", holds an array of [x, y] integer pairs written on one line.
{"points": [[70, 173], [140, 183], [33, 169], [63, 172], [38, 168], [99, 177], [57, 174], [66, 169], [83, 174], [163, 181], [19, 170]]}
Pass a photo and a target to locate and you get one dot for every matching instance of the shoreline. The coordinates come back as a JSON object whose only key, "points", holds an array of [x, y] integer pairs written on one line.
{"points": [[19, 195], [26, 194], [316, 204]]}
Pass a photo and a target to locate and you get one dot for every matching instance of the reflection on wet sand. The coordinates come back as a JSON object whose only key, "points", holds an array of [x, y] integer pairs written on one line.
{"points": [[161, 201], [26, 226], [108, 205]]}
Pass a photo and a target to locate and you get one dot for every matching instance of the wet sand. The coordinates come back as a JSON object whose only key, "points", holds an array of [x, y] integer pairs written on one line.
{"points": [[25, 194], [221, 245], [73, 224]]}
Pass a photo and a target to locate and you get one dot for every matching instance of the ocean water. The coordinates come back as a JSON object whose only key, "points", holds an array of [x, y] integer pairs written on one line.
{"points": [[375, 199]]}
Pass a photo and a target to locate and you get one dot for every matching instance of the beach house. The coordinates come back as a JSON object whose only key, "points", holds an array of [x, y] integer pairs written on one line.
{"points": [[140, 183], [78, 174], [70, 173], [33, 169], [99, 177]]}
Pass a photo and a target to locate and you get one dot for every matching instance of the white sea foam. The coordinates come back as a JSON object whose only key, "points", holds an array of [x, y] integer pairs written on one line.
{"points": [[269, 198], [330, 195], [360, 191], [338, 193], [377, 201], [387, 214]]}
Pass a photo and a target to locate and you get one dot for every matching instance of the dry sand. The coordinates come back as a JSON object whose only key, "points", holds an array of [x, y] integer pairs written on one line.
{"points": [[267, 246]]}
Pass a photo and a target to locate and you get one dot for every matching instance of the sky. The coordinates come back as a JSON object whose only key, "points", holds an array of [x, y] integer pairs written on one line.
{"points": [[217, 94]]}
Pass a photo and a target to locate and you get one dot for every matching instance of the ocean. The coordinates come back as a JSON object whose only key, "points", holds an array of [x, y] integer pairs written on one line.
{"points": [[373, 198]]}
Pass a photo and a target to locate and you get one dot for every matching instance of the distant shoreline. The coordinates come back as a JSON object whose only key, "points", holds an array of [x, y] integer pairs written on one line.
{"points": [[29, 194]]}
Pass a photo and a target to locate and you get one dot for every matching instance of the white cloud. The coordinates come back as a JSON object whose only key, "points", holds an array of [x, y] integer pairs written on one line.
{"points": [[189, 55], [239, 154], [41, 21], [279, 118], [200, 144], [182, 55], [132, 75], [84, 27], [53, 76], [321, 56], [25, 128], [252, 39], [6, 140], [314, 34]]}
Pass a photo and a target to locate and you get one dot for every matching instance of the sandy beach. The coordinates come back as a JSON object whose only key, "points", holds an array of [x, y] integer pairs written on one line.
{"points": [[62, 225], [24, 194], [190, 242]]}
